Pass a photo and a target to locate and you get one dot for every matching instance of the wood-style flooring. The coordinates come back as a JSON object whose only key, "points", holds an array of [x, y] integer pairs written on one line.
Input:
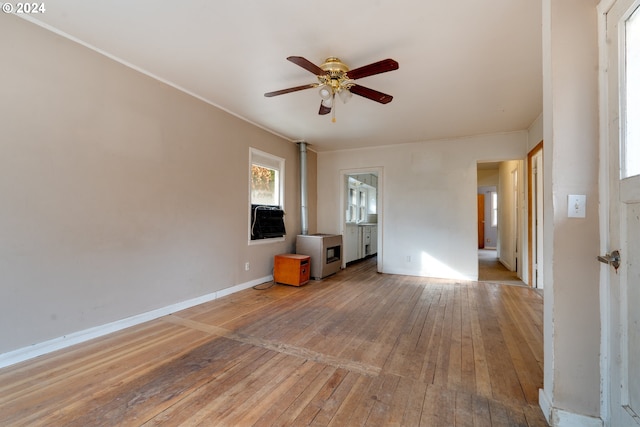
{"points": [[490, 269], [355, 349]]}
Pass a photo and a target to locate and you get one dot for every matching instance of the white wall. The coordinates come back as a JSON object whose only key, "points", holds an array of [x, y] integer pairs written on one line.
{"points": [[488, 177], [428, 200], [571, 272], [120, 195]]}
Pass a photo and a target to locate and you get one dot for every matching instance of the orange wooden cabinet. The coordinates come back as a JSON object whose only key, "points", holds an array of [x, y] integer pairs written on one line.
{"points": [[291, 269]]}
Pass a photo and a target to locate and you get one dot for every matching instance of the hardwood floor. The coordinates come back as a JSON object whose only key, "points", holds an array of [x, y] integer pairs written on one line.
{"points": [[490, 269], [358, 348]]}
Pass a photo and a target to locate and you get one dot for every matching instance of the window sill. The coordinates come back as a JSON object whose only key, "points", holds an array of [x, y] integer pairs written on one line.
{"points": [[266, 241]]}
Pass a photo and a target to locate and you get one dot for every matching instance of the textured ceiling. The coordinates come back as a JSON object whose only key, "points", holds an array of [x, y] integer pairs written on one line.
{"points": [[466, 67]]}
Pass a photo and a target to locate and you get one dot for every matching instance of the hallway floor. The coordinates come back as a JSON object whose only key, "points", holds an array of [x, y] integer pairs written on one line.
{"points": [[490, 269]]}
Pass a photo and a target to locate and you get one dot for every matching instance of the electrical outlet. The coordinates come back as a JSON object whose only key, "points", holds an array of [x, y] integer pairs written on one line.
{"points": [[408, 258], [246, 266]]}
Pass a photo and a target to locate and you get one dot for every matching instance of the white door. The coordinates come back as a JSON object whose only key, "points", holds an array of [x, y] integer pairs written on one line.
{"points": [[623, 151]]}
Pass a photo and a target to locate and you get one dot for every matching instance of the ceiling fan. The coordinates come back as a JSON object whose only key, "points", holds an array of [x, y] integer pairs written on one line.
{"points": [[334, 77]]}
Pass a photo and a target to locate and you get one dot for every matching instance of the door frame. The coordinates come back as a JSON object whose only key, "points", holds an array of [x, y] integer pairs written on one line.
{"points": [[344, 177], [603, 211], [516, 190], [532, 205]]}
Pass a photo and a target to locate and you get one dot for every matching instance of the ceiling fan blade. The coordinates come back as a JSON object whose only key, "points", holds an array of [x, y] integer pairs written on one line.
{"points": [[307, 65], [371, 94], [291, 89], [371, 69], [324, 110]]}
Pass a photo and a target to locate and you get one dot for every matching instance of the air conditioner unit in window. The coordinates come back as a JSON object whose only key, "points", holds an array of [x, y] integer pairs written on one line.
{"points": [[267, 222]]}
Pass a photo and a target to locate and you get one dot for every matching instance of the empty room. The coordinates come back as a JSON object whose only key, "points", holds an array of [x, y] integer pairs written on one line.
{"points": [[267, 213]]}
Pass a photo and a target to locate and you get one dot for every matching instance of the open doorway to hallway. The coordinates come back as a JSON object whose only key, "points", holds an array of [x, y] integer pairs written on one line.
{"points": [[500, 221]]}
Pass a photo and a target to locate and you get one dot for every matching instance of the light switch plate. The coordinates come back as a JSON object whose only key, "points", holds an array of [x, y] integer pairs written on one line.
{"points": [[577, 207]]}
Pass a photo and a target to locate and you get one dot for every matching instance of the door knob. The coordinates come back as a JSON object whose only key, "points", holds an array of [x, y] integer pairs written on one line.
{"points": [[613, 259]]}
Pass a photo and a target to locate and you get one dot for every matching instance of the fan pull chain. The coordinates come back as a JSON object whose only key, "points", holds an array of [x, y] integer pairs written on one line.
{"points": [[333, 110]]}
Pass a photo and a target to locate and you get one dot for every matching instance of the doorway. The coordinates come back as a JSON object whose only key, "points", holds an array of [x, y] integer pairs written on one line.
{"points": [[361, 209], [500, 188]]}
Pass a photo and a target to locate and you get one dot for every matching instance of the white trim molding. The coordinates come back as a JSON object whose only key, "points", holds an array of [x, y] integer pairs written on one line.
{"points": [[557, 417], [39, 349]]}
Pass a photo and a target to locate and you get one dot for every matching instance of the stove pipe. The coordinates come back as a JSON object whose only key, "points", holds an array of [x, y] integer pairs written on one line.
{"points": [[304, 219]]}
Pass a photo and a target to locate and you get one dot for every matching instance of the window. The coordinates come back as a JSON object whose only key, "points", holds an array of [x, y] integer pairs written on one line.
{"points": [[362, 205], [631, 134], [266, 196], [353, 202], [494, 209], [266, 176], [361, 200]]}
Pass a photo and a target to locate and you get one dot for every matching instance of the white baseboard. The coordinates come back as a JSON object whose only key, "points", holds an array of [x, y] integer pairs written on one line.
{"points": [[562, 418], [545, 404], [557, 417], [35, 350], [506, 264]]}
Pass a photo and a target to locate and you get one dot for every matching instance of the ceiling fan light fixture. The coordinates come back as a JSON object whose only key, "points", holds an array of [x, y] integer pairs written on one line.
{"points": [[334, 77], [345, 95], [326, 92]]}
